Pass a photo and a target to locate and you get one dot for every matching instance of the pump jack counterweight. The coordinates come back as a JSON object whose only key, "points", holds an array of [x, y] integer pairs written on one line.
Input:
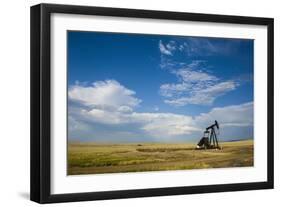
{"points": [[209, 139]]}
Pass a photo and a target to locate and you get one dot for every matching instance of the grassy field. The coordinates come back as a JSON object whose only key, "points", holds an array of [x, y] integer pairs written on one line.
{"points": [[93, 158]]}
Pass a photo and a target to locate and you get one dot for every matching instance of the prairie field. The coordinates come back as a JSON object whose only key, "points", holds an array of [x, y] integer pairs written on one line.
{"points": [[96, 158]]}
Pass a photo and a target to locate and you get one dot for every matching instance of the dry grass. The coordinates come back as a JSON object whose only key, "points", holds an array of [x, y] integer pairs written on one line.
{"points": [[93, 158]]}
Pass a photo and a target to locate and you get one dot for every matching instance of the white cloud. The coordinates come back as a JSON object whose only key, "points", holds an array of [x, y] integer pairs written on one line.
{"points": [[229, 116], [192, 47], [201, 47], [195, 87], [110, 103], [200, 95], [166, 124], [166, 50], [125, 109], [171, 46], [102, 94], [171, 89], [188, 75], [155, 125], [75, 125]]}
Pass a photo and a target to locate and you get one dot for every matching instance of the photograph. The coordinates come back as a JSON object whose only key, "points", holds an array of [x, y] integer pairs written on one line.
{"points": [[149, 102]]}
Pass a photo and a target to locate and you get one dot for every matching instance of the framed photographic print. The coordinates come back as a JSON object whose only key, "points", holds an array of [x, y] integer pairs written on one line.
{"points": [[133, 103]]}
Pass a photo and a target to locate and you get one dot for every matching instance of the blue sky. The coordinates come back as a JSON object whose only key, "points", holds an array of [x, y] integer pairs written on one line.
{"points": [[135, 87]]}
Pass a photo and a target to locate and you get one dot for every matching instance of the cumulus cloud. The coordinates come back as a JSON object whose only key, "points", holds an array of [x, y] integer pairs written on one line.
{"points": [[195, 87], [109, 102], [109, 93], [153, 124], [229, 116], [236, 121], [159, 125], [165, 124]]}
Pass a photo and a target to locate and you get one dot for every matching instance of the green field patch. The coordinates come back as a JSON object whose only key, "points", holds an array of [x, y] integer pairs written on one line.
{"points": [[93, 158], [161, 149]]}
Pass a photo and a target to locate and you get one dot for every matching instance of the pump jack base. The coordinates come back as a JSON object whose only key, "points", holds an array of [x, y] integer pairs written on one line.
{"points": [[209, 147]]}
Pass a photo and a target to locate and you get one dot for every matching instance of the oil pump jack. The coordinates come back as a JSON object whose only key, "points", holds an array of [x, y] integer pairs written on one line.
{"points": [[209, 140]]}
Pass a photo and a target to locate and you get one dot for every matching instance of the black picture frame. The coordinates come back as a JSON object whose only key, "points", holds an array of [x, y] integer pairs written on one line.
{"points": [[41, 99]]}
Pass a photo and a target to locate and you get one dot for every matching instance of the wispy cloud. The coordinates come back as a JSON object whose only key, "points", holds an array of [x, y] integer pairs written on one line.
{"points": [[201, 96], [168, 48], [199, 47], [193, 73], [195, 86]]}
